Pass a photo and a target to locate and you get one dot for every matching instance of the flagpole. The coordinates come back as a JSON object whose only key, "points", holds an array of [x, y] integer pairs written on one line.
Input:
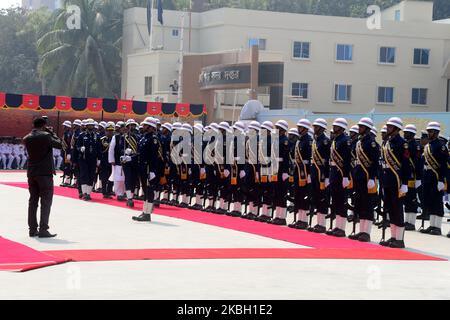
{"points": [[180, 70], [151, 26]]}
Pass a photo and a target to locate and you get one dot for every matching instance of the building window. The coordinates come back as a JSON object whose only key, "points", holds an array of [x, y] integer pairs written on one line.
{"points": [[300, 90], [422, 57], [175, 32], [385, 95], [342, 93], [397, 15], [344, 52], [419, 96], [261, 43], [387, 55], [148, 86], [301, 50]]}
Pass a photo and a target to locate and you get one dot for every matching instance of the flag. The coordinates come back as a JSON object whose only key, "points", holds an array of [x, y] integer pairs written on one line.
{"points": [[149, 15], [160, 11]]}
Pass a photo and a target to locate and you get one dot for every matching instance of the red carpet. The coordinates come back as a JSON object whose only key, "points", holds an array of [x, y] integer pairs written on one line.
{"points": [[325, 247], [17, 257], [192, 254]]}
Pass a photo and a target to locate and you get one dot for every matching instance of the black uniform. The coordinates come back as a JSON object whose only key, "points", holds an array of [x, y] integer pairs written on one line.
{"points": [[302, 170], [105, 166], [367, 153], [396, 172], [67, 150], [320, 172], [150, 163], [435, 159], [411, 203], [340, 158], [87, 159]]}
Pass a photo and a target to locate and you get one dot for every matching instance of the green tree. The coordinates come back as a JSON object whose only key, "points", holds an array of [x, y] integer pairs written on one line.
{"points": [[18, 57], [74, 61]]}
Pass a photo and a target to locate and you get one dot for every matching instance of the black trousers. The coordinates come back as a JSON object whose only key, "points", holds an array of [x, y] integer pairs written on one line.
{"points": [[363, 203], [130, 173], [301, 197], [87, 171], [338, 199], [40, 188], [433, 203], [318, 196], [395, 205], [411, 204], [280, 192], [105, 173]]}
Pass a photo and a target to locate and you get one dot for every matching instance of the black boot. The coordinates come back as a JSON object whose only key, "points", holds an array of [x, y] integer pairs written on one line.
{"points": [[46, 234], [278, 222], [130, 203], [364, 237], [387, 243], [144, 217], [397, 244], [410, 227]]}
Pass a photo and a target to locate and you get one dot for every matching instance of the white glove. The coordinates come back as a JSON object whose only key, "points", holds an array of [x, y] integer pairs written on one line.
{"points": [[441, 186], [308, 179], [327, 182], [242, 174], [69, 157], [127, 159], [285, 176], [404, 189], [370, 184], [226, 173], [345, 182], [257, 176], [418, 184], [189, 171], [202, 171], [82, 149], [128, 152], [98, 163], [151, 176]]}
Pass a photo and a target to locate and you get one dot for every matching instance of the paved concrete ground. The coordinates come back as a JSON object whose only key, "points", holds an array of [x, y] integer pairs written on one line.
{"points": [[83, 225]]}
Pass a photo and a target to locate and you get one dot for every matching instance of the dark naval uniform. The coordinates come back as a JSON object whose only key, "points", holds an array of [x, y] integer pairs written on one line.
{"points": [[252, 174], [67, 152], [88, 150], [281, 187], [319, 173], [435, 159], [302, 169], [396, 172], [411, 203], [340, 158], [368, 154]]}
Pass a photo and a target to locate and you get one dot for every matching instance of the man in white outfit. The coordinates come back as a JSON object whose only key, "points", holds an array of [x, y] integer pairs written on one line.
{"points": [[118, 176]]}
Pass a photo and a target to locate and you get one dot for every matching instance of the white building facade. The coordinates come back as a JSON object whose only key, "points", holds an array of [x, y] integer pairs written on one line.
{"points": [[331, 64]]}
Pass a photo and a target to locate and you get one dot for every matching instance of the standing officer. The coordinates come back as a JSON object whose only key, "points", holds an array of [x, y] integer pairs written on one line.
{"points": [[252, 171], [223, 168], [302, 178], [396, 172], [237, 174], [264, 158], [88, 150], [129, 160], [364, 179], [415, 179], [74, 156], [39, 144], [105, 166], [67, 152], [281, 176], [354, 138], [340, 157], [150, 162], [435, 158], [212, 180], [166, 138], [320, 174]]}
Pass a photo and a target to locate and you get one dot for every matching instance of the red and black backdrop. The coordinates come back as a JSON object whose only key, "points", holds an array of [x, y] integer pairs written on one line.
{"points": [[18, 110]]}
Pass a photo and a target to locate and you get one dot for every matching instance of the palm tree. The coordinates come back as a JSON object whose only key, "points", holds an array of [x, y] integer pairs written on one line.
{"points": [[74, 61]]}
